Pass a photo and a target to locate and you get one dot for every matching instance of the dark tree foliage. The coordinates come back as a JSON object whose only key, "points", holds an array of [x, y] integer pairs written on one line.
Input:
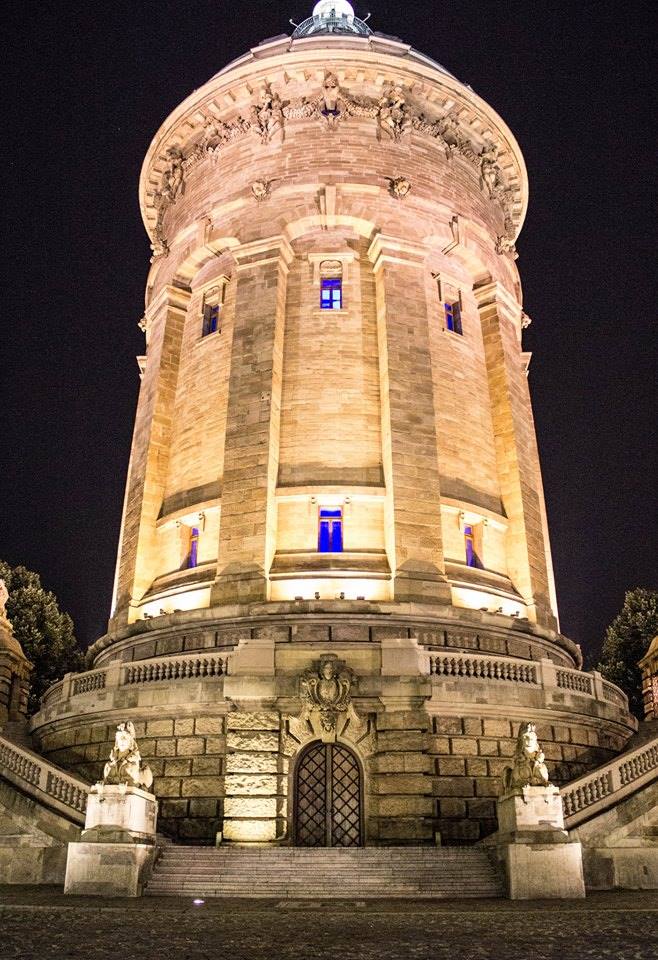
{"points": [[43, 631], [626, 641]]}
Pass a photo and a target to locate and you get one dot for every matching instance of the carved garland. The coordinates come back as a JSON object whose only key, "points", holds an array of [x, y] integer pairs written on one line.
{"points": [[395, 117]]}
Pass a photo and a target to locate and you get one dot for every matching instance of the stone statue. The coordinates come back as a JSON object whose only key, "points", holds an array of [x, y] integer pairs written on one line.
{"points": [[173, 177], [4, 596], [326, 691], [395, 118], [266, 115], [400, 187], [125, 765], [447, 129], [489, 169], [529, 767]]}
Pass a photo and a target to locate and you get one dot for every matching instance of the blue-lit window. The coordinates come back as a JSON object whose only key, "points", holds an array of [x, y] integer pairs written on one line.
{"points": [[453, 314], [472, 559], [330, 535], [193, 552], [211, 319], [331, 293]]}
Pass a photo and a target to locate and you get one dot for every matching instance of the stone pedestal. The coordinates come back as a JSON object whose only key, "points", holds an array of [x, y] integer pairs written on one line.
{"points": [[116, 851], [540, 861], [535, 809], [119, 809]]}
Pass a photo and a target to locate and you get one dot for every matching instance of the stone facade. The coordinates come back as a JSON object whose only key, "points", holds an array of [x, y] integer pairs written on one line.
{"points": [[345, 155]]}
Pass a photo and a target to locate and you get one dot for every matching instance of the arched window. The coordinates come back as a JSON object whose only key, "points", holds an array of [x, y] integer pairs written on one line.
{"points": [[331, 285], [213, 303]]}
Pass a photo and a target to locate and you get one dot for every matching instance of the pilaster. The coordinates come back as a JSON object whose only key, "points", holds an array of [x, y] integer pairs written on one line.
{"points": [[409, 442], [251, 458], [516, 452], [149, 456]]}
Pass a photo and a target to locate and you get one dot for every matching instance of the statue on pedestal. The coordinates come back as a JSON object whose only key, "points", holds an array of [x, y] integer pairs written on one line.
{"points": [[125, 765], [529, 767]]}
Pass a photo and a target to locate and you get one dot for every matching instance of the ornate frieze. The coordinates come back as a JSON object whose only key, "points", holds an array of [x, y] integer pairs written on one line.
{"points": [[395, 113]]}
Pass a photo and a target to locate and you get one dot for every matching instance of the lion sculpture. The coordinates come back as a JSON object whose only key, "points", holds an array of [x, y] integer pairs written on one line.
{"points": [[529, 767]]}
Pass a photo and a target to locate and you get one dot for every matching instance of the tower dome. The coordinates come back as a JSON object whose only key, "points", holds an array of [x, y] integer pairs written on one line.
{"points": [[332, 16], [334, 544]]}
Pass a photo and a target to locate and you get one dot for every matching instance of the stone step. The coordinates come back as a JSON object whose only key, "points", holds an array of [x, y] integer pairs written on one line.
{"points": [[324, 874]]}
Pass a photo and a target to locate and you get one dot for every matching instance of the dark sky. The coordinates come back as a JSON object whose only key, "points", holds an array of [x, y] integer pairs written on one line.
{"points": [[86, 87]]}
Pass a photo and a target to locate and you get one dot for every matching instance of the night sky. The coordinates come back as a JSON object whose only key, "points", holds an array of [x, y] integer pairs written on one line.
{"points": [[87, 86]]}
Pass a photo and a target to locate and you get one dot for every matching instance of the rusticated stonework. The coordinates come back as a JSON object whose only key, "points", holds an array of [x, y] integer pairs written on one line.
{"points": [[422, 640]]}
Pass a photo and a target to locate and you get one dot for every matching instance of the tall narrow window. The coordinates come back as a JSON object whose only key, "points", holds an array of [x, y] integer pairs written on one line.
{"points": [[331, 293], [330, 535], [193, 552], [453, 314], [212, 311], [472, 558]]}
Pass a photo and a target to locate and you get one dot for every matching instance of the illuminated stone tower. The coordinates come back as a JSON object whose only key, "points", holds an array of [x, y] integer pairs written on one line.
{"points": [[334, 564]]}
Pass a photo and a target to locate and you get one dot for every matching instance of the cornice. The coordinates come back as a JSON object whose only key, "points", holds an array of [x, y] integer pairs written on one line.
{"points": [[265, 91]]}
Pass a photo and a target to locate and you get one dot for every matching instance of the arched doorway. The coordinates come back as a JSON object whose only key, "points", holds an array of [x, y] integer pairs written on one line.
{"points": [[328, 797]]}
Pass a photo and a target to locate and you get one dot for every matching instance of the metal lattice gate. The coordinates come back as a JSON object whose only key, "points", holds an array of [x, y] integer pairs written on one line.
{"points": [[328, 797]]}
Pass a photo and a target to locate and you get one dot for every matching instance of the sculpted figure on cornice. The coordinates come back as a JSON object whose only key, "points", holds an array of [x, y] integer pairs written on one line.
{"points": [[490, 178], [173, 178], [331, 106], [394, 115], [266, 115]]}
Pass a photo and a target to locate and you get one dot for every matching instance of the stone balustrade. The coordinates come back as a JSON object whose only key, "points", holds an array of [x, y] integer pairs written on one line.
{"points": [[614, 694], [176, 668], [596, 791], [199, 666], [541, 673], [575, 681], [40, 779], [483, 668]]}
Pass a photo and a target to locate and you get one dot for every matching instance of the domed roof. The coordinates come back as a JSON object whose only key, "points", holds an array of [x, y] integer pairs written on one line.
{"points": [[332, 16]]}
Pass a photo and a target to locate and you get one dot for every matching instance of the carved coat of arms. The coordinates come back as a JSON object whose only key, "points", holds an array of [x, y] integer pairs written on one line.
{"points": [[326, 693]]}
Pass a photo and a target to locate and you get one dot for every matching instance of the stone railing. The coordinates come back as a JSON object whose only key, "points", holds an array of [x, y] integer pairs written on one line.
{"points": [[197, 666], [190, 667], [87, 682], [574, 680], [483, 667], [40, 779], [595, 792], [538, 673], [614, 694], [53, 693]]}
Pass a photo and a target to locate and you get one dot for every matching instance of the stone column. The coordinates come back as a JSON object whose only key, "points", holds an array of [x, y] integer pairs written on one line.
{"points": [[409, 442], [516, 452], [149, 457], [251, 459]]}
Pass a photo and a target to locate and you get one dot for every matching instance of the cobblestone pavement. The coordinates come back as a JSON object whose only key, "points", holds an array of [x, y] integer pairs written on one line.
{"points": [[42, 924]]}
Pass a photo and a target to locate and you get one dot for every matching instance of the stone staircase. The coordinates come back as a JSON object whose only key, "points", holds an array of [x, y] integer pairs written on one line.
{"points": [[296, 873]]}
